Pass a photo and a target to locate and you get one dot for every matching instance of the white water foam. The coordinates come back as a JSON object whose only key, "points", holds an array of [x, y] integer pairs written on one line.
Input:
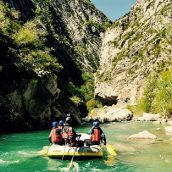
{"points": [[26, 154], [2, 162]]}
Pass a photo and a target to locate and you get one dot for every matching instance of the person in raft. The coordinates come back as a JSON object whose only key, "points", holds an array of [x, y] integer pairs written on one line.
{"points": [[69, 135], [61, 125], [55, 136], [97, 135]]}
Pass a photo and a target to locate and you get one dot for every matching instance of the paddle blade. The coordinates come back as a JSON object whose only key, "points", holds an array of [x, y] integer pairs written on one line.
{"points": [[111, 149], [70, 165]]}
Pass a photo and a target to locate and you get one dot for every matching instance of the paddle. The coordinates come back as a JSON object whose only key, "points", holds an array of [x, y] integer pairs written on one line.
{"points": [[111, 149], [71, 162], [64, 150]]}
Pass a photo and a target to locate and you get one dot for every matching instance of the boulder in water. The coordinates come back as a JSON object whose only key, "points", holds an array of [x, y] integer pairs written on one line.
{"points": [[143, 135], [169, 122], [168, 129]]}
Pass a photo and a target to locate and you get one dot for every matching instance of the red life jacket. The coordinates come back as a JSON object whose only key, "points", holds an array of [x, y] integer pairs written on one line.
{"points": [[55, 136], [96, 136]]}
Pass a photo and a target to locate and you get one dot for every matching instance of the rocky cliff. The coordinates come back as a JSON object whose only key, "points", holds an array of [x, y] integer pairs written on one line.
{"points": [[136, 47], [44, 45]]}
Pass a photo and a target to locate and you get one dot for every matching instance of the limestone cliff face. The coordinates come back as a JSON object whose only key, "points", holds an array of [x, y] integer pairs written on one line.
{"points": [[136, 46], [82, 25], [43, 46], [74, 28]]}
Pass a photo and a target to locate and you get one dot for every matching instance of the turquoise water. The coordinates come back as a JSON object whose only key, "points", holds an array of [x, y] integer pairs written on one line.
{"points": [[20, 152]]}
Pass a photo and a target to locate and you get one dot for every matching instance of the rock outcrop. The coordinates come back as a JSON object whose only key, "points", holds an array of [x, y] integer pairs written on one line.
{"points": [[110, 114], [143, 135], [148, 117], [168, 129], [136, 46]]}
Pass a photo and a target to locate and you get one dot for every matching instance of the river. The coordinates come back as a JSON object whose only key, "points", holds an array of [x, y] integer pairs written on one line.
{"points": [[19, 151]]}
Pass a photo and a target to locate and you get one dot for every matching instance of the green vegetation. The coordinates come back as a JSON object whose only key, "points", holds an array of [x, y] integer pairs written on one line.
{"points": [[72, 89], [99, 26], [30, 34], [87, 90], [4, 22], [115, 24], [162, 102], [157, 96], [81, 49], [30, 38], [89, 4], [8, 20], [84, 93], [105, 26], [92, 103], [87, 1], [76, 100], [42, 60]]}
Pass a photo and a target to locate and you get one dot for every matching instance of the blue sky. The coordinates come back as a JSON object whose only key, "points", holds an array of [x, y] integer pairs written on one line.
{"points": [[114, 9]]}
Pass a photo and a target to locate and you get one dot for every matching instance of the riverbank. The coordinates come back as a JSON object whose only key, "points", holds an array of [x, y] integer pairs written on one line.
{"points": [[118, 113]]}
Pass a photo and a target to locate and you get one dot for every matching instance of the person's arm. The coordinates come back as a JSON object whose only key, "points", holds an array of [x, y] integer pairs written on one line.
{"points": [[49, 138], [103, 137], [90, 131]]}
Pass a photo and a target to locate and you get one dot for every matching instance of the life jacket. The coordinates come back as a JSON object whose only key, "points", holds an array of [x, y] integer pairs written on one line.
{"points": [[96, 135], [56, 135]]}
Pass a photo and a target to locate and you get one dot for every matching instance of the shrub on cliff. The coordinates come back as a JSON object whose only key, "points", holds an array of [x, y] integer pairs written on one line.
{"points": [[162, 101], [42, 60], [9, 22], [157, 96], [91, 104], [87, 89], [76, 100], [30, 34]]}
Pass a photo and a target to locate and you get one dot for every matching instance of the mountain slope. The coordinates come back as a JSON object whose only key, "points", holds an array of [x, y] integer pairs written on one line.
{"points": [[45, 47], [135, 48]]}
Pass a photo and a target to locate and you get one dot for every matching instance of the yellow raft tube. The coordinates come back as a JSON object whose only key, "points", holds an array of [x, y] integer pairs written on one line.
{"points": [[57, 151]]}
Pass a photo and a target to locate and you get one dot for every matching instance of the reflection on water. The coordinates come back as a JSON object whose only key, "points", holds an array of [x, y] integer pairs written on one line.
{"points": [[22, 152]]}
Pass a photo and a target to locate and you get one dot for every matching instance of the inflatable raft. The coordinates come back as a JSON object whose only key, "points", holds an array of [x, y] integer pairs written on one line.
{"points": [[57, 151], [84, 152]]}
